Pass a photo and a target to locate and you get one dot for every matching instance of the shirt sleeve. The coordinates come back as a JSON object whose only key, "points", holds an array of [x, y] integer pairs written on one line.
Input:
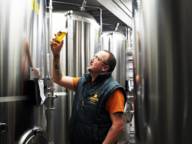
{"points": [[116, 102], [75, 81]]}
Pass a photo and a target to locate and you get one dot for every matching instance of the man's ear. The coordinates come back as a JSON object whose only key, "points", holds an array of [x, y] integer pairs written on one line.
{"points": [[105, 68]]}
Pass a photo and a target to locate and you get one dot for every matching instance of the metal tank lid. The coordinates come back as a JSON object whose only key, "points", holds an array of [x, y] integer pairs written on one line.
{"points": [[79, 15], [107, 33]]}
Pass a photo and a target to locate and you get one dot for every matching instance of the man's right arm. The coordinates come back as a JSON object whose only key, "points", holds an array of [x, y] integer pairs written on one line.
{"points": [[65, 81]]}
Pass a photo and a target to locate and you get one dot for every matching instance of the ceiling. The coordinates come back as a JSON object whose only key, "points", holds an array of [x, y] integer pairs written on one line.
{"points": [[93, 7]]}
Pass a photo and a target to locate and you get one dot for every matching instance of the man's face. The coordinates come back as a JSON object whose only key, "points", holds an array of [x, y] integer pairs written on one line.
{"points": [[98, 63]]}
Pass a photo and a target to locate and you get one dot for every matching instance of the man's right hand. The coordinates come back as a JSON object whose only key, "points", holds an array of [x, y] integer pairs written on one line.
{"points": [[56, 47]]}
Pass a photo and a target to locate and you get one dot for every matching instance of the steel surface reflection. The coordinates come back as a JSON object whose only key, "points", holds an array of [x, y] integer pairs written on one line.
{"points": [[23, 42], [164, 91]]}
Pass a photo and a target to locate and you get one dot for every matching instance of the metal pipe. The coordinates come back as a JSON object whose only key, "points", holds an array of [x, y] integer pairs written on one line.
{"points": [[73, 4], [66, 3], [117, 26], [101, 19], [83, 5], [49, 90], [49, 38]]}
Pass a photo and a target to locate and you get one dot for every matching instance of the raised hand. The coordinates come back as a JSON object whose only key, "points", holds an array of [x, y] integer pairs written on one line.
{"points": [[56, 45]]}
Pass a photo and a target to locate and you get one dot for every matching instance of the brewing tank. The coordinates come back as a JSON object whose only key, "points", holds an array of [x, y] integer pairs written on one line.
{"points": [[22, 46], [116, 43], [163, 109]]}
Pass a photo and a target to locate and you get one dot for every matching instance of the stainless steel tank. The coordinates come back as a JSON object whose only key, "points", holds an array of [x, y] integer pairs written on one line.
{"points": [[164, 110], [80, 44], [23, 44], [117, 43]]}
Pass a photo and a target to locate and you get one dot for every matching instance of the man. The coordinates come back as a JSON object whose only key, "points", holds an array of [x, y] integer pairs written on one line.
{"points": [[97, 115]]}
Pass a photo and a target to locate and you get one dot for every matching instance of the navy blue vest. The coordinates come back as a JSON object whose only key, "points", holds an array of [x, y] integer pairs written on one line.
{"points": [[90, 121]]}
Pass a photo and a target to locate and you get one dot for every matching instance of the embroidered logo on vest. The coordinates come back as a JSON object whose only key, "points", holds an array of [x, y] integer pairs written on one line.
{"points": [[94, 99]]}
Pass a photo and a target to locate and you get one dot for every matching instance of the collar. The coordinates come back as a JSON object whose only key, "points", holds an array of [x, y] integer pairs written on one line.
{"points": [[100, 77]]}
